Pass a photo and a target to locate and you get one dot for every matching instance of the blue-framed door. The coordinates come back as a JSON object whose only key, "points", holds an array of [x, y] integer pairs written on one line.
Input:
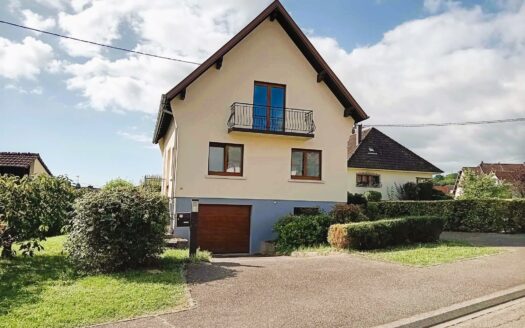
{"points": [[268, 106]]}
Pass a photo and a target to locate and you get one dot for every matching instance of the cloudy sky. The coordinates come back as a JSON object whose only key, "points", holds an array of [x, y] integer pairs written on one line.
{"points": [[90, 111]]}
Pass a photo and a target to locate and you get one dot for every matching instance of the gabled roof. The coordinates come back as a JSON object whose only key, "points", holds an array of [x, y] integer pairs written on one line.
{"points": [[503, 171], [24, 160], [275, 11], [379, 151]]}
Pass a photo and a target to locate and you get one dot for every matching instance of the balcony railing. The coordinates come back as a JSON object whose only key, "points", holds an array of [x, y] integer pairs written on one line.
{"points": [[273, 120]]}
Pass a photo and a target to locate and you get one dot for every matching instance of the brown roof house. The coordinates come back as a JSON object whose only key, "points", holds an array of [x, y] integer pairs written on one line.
{"points": [[378, 162], [510, 173], [21, 164]]}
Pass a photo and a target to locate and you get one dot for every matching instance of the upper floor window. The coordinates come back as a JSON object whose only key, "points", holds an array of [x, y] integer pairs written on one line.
{"points": [[268, 106], [368, 180], [225, 159], [306, 164], [421, 180]]}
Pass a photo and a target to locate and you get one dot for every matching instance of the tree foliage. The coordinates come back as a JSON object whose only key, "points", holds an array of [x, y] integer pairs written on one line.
{"points": [[445, 180], [31, 207], [482, 186], [118, 183]]}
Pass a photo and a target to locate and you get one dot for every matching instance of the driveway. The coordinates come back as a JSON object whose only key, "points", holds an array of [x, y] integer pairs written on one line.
{"points": [[337, 290]]}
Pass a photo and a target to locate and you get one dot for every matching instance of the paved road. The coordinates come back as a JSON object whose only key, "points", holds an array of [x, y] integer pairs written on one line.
{"points": [[338, 290], [508, 315]]}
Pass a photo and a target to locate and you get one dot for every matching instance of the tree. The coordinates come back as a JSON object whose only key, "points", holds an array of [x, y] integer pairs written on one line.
{"points": [[117, 183], [447, 180], [481, 185], [29, 207]]}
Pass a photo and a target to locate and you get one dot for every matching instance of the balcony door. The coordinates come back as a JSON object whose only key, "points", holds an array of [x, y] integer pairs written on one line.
{"points": [[268, 106]]}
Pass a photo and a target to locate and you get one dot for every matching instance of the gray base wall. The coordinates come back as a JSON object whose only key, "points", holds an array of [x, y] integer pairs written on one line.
{"points": [[263, 215]]}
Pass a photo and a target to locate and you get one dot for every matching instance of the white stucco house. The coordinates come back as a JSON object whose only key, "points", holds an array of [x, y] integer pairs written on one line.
{"points": [[258, 131], [378, 162]]}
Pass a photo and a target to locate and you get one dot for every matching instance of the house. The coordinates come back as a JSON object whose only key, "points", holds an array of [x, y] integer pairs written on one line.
{"points": [[256, 132], [378, 162], [21, 164], [503, 172]]}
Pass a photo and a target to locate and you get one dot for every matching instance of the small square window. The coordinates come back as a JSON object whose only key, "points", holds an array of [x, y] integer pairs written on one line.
{"points": [[368, 180], [306, 164], [306, 210], [225, 159]]}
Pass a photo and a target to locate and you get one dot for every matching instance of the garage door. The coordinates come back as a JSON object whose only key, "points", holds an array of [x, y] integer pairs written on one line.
{"points": [[224, 228]]}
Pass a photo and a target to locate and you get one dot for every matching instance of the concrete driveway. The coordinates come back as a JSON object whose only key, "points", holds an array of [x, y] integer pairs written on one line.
{"points": [[337, 290]]}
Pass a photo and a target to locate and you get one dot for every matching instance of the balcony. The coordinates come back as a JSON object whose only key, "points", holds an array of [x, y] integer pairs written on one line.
{"points": [[272, 120]]}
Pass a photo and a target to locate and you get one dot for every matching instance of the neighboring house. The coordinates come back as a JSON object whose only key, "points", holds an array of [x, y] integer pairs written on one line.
{"points": [[21, 164], [510, 173], [378, 162], [256, 132], [447, 190]]}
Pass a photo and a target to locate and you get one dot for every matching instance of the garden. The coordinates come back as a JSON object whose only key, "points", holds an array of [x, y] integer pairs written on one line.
{"points": [[72, 257]]}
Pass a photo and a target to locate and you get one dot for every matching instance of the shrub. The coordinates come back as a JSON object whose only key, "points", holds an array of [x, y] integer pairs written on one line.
{"points": [[373, 196], [356, 199], [474, 215], [116, 229], [301, 230], [31, 208], [482, 186], [118, 184], [385, 233], [343, 213]]}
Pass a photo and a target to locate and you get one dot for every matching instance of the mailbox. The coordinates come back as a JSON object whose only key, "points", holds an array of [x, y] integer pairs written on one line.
{"points": [[183, 219]]}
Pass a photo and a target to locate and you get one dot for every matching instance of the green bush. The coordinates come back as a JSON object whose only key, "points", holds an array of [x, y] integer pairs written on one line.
{"points": [[301, 230], [344, 213], [117, 229], [385, 233], [118, 183], [32, 208], [356, 199], [373, 196], [473, 215]]}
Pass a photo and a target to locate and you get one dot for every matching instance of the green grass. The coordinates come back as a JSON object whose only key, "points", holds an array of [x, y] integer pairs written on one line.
{"points": [[430, 254], [417, 255], [44, 291]]}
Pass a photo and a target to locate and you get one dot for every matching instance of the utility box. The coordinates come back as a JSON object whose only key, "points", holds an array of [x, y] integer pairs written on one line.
{"points": [[183, 219]]}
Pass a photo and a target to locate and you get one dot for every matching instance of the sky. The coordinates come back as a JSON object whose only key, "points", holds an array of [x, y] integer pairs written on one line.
{"points": [[90, 111]]}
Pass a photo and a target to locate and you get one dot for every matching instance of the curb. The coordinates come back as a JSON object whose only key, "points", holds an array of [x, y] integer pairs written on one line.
{"points": [[458, 310]]}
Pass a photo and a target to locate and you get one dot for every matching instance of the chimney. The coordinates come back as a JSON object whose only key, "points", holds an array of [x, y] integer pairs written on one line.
{"points": [[359, 135]]}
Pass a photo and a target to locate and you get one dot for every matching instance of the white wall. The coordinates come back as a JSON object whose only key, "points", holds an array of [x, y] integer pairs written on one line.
{"points": [[268, 55], [388, 179]]}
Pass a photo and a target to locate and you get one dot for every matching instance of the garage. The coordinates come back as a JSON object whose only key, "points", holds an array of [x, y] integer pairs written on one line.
{"points": [[224, 228]]}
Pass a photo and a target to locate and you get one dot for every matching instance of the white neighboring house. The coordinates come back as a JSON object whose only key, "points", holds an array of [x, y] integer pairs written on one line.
{"points": [[256, 132], [378, 162]]}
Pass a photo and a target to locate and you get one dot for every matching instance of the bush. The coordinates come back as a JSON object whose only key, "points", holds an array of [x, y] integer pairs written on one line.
{"points": [[31, 208], [356, 199], [301, 230], [344, 213], [373, 196], [473, 215], [418, 191], [116, 229], [385, 233], [118, 184]]}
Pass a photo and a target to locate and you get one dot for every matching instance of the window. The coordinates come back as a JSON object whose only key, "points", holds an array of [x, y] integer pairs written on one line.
{"points": [[421, 180], [268, 106], [306, 210], [368, 180], [306, 164], [225, 159]]}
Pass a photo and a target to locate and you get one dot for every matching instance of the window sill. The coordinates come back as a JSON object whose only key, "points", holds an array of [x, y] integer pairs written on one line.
{"points": [[226, 177], [305, 181]]}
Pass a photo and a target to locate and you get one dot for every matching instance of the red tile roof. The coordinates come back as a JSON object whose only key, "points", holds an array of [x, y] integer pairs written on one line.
{"points": [[13, 159]]}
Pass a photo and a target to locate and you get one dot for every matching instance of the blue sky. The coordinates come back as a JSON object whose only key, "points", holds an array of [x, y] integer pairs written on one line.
{"points": [[90, 112]]}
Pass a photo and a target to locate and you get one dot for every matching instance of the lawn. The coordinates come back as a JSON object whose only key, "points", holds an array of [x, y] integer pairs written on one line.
{"points": [[428, 254], [44, 291]]}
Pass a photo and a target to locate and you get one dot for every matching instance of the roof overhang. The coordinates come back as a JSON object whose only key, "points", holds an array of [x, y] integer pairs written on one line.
{"points": [[276, 12]]}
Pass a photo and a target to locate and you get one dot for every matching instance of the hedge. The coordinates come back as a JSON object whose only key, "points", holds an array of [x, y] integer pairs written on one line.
{"points": [[384, 233], [301, 230], [473, 215]]}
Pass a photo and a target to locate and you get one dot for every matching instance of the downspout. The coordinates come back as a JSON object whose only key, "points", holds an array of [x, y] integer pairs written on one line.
{"points": [[173, 175]]}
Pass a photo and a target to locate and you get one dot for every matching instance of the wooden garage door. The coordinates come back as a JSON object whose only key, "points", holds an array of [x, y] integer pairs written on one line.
{"points": [[224, 228]]}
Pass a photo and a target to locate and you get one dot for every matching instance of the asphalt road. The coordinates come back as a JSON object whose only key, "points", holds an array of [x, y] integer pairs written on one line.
{"points": [[337, 290]]}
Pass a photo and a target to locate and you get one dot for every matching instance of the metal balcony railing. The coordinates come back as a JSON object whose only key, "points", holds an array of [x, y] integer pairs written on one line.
{"points": [[274, 120]]}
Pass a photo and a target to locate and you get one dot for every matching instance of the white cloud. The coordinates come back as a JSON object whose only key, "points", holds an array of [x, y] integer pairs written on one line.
{"points": [[36, 91], [141, 138], [25, 59], [35, 20], [462, 64]]}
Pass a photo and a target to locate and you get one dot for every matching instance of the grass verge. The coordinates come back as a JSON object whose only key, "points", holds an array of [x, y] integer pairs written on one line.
{"points": [[428, 254], [45, 291]]}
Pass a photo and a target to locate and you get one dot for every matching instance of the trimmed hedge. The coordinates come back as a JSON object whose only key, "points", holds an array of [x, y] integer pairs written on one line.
{"points": [[384, 233], [117, 229], [344, 213], [472, 215], [301, 230]]}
